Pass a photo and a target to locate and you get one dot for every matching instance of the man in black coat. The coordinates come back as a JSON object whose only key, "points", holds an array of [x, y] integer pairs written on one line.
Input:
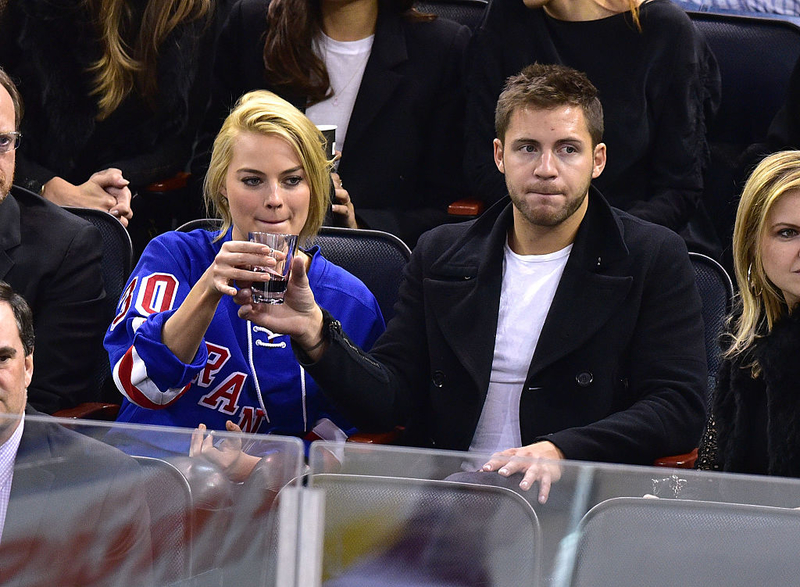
{"points": [[52, 258], [551, 327], [72, 510]]}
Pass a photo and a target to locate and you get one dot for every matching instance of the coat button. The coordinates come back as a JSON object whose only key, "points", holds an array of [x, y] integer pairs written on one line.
{"points": [[584, 379], [438, 378]]}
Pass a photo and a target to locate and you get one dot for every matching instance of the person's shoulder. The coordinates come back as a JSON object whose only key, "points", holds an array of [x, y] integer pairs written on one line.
{"points": [[250, 11], [34, 209], [438, 27], [646, 238], [503, 13], [45, 224], [435, 37], [443, 236], [664, 17], [192, 251], [196, 240]]}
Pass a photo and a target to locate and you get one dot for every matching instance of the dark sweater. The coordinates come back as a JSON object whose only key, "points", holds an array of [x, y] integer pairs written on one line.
{"points": [[657, 88], [756, 421]]}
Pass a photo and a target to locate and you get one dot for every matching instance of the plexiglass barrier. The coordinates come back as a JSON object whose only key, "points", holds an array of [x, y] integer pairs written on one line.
{"points": [[422, 518], [94, 503], [111, 504]]}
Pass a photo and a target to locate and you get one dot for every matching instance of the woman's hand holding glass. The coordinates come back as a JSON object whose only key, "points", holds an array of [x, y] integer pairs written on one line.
{"points": [[232, 267], [299, 316]]}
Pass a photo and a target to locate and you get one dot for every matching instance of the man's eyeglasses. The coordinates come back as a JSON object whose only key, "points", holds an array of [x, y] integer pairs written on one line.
{"points": [[9, 141]]}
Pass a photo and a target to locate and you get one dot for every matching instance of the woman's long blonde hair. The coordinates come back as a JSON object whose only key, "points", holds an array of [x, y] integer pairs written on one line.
{"points": [[129, 62], [762, 303]]}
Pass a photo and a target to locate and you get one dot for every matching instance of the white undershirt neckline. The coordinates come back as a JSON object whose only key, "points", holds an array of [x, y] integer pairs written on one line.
{"points": [[528, 288], [345, 62]]}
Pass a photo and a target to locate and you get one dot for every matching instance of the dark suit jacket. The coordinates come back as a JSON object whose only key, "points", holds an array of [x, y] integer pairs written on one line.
{"points": [[402, 162], [618, 375], [77, 513], [52, 258]]}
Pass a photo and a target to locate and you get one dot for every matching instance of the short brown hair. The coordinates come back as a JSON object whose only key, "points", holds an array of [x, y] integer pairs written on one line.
{"points": [[22, 315], [545, 87], [16, 99]]}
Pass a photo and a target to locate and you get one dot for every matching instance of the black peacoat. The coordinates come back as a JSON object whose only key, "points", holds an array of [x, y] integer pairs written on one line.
{"points": [[619, 373]]}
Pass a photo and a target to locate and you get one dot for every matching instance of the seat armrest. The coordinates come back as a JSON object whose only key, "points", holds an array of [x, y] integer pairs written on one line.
{"points": [[391, 437], [177, 182], [466, 207], [91, 411], [684, 461]]}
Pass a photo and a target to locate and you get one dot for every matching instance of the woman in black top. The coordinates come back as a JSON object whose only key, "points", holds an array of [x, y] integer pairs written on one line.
{"points": [[658, 84], [755, 420], [401, 161]]}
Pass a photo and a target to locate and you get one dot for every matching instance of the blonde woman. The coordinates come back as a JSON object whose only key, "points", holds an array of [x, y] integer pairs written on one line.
{"points": [[111, 91], [658, 83], [755, 423], [181, 355]]}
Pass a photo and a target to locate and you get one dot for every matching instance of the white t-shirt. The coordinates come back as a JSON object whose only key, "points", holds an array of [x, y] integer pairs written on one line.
{"points": [[529, 286], [345, 61]]}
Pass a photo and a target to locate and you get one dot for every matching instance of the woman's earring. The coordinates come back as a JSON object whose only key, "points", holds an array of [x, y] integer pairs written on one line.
{"points": [[756, 291]]}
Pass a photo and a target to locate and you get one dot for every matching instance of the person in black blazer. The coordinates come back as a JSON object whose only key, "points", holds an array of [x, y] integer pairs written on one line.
{"points": [[617, 370], [401, 161], [53, 259], [76, 512]]}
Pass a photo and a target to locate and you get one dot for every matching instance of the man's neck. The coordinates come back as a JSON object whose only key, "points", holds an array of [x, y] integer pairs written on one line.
{"points": [[581, 10], [349, 21], [525, 238]]}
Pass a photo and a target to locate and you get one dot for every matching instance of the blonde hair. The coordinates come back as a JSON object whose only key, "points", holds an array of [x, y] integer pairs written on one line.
{"points": [[122, 65], [761, 302], [264, 113]]}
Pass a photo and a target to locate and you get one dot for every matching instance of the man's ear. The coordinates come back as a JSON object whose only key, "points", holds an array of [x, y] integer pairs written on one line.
{"points": [[498, 155], [28, 369], [599, 160]]}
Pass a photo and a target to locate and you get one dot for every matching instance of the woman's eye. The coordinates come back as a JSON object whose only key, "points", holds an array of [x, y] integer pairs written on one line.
{"points": [[787, 233], [293, 180], [251, 181]]}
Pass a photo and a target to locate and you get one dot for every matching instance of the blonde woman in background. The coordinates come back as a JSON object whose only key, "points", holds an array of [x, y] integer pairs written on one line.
{"points": [[755, 420], [111, 90]]}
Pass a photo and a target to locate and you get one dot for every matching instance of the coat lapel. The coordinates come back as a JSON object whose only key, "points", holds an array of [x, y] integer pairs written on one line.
{"points": [[588, 293], [380, 80], [10, 236], [464, 293]]}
